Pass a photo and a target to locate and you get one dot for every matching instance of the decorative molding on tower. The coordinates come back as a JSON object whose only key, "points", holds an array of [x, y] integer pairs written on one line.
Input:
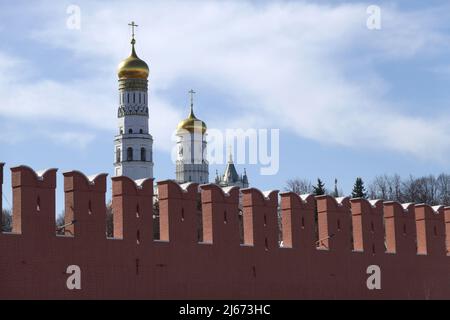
{"points": [[133, 84]]}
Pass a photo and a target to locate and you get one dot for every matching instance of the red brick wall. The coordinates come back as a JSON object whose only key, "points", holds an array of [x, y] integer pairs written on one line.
{"points": [[352, 235]]}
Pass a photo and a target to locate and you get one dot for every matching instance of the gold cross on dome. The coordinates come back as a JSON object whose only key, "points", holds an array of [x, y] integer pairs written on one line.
{"points": [[132, 25], [192, 92]]}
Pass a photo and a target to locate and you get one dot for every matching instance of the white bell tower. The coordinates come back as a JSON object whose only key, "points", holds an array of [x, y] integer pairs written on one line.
{"points": [[133, 144], [192, 165]]}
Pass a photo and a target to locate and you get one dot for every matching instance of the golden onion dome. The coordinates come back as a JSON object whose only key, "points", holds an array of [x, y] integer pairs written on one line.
{"points": [[133, 67], [192, 124]]}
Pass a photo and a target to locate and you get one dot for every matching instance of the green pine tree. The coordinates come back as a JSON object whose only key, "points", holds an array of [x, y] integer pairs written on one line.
{"points": [[359, 191], [319, 189]]}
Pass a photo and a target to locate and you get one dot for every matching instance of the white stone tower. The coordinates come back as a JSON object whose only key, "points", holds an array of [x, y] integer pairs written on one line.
{"points": [[133, 143], [191, 165]]}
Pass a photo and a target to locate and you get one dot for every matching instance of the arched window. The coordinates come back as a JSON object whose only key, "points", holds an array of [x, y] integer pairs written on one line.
{"points": [[141, 131], [118, 155], [130, 131], [130, 154], [143, 154]]}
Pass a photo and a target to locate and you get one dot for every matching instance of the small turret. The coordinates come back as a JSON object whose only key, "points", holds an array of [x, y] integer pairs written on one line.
{"points": [[231, 177]]}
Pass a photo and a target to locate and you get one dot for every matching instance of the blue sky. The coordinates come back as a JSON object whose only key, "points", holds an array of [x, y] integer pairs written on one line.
{"points": [[348, 101]]}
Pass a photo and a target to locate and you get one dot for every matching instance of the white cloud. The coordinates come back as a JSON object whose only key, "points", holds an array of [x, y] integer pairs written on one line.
{"points": [[77, 139], [89, 103], [304, 67]]}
